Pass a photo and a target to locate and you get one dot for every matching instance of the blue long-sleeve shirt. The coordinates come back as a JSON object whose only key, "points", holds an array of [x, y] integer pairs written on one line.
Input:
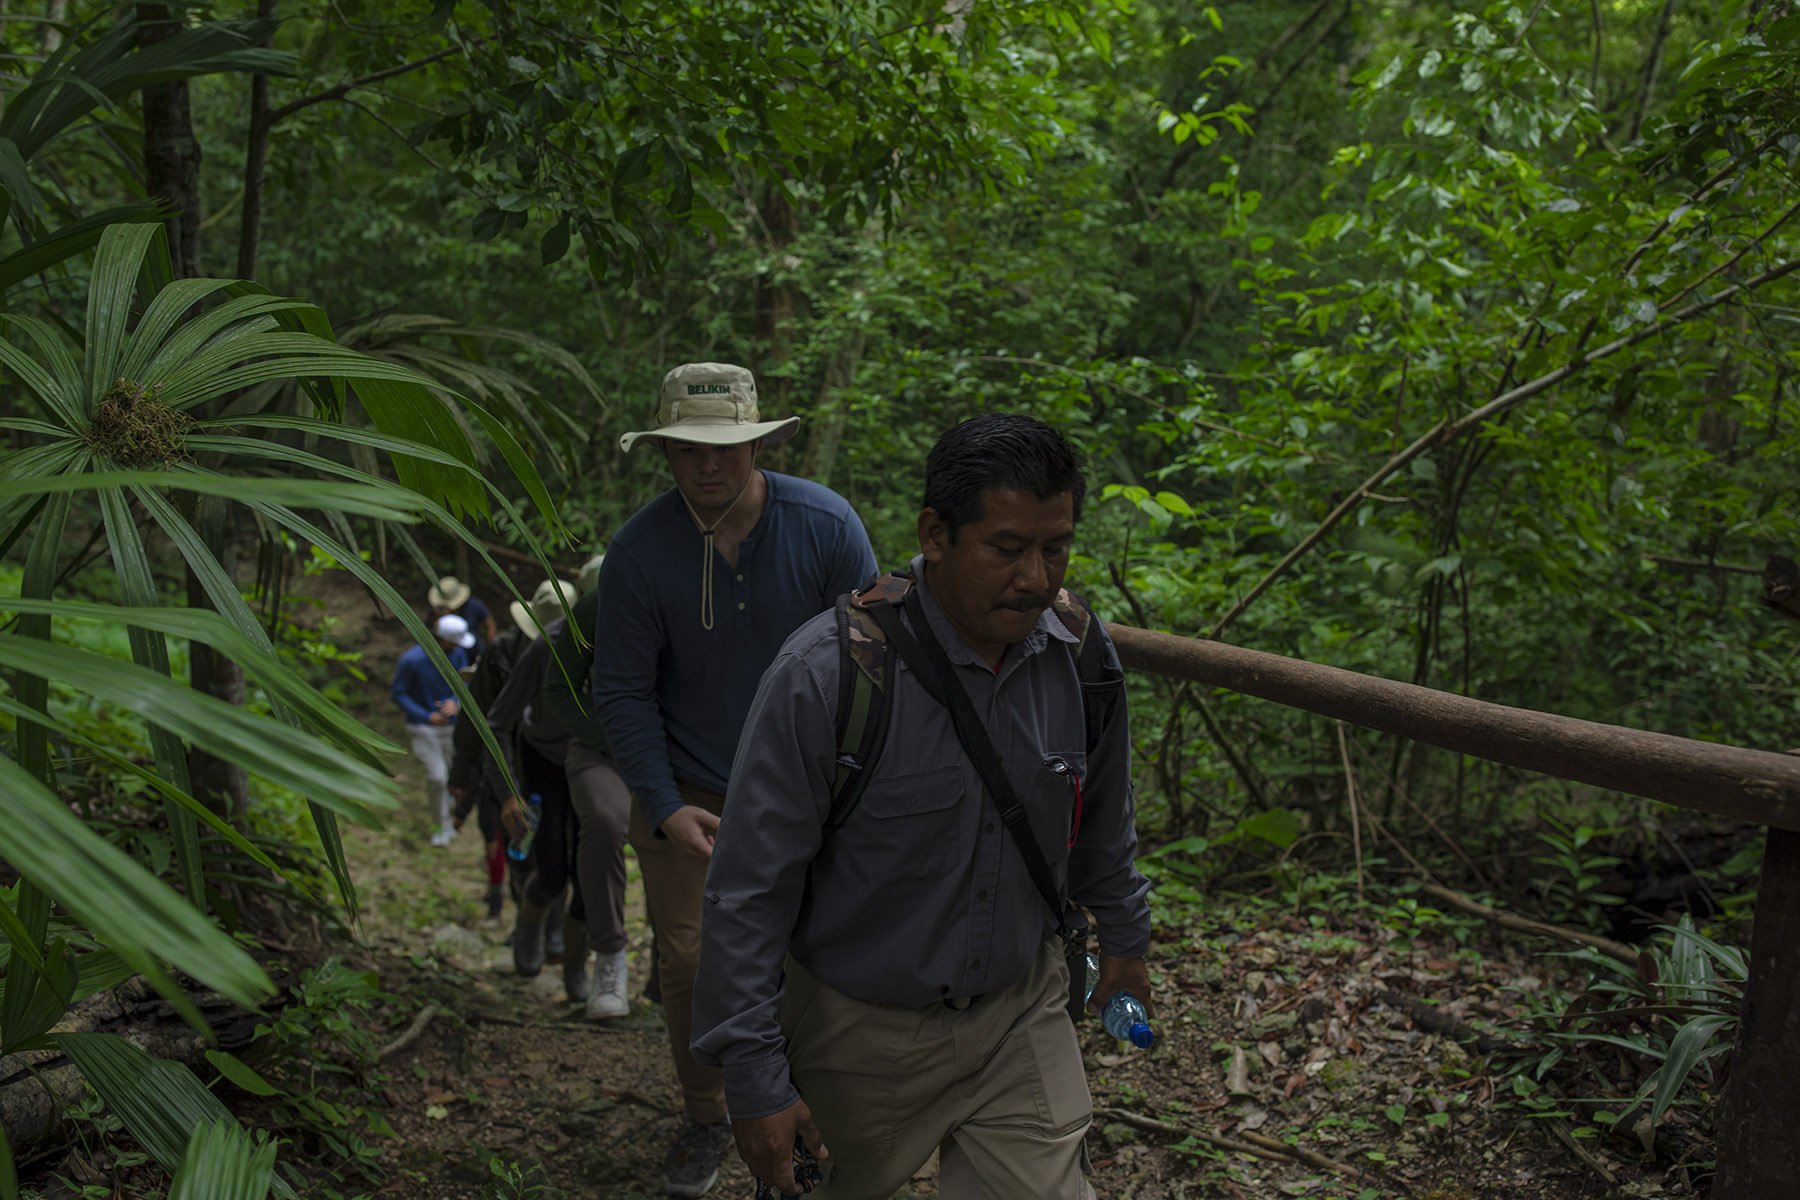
{"points": [[671, 694], [419, 687]]}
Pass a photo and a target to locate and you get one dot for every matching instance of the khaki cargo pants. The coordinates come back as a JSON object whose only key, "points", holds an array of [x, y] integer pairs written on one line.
{"points": [[998, 1088]]}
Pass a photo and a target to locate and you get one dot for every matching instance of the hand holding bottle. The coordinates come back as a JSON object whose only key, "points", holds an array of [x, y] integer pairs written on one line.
{"points": [[1124, 1015]]}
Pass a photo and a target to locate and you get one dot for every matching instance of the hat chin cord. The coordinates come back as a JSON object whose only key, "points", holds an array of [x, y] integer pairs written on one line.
{"points": [[706, 550]]}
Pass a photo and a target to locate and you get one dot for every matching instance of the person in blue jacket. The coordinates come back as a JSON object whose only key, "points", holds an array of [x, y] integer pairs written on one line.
{"points": [[424, 695]]}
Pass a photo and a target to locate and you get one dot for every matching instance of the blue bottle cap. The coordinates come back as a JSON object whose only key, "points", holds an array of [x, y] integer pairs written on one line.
{"points": [[1142, 1036]]}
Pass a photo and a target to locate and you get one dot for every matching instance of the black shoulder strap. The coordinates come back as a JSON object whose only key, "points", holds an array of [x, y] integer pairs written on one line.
{"points": [[932, 668]]}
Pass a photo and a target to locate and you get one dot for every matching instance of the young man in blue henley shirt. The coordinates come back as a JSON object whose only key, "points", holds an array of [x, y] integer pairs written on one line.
{"points": [[699, 590]]}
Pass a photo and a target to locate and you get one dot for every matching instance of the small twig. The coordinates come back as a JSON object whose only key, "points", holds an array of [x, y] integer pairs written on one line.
{"points": [[1436, 1020], [1355, 818], [1584, 1154], [1446, 431], [1701, 564], [412, 1033], [1254, 1144], [486, 1018], [349, 85], [1518, 924]]}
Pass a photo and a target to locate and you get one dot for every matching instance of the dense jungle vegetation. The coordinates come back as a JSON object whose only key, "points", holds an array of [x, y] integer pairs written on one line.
{"points": [[1453, 344]]}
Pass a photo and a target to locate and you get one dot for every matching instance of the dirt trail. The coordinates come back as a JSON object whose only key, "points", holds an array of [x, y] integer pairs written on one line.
{"points": [[1278, 1033]]}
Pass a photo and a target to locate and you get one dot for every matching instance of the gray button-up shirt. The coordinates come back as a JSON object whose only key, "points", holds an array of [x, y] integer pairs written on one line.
{"points": [[921, 894]]}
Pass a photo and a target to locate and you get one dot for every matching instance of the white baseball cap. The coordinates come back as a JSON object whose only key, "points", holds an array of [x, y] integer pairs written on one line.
{"points": [[452, 628]]}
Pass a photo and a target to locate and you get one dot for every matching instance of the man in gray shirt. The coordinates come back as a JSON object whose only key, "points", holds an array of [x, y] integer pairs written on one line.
{"points": [[699, 590], [920, 1005]]}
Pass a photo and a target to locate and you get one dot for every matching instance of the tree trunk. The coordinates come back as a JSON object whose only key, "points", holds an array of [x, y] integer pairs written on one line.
{"points": [[223, 786], [777, 300], [256, 158], [171, 153], [50, 37], [172, 170]]}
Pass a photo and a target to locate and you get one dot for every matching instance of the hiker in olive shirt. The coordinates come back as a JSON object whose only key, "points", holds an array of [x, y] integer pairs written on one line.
{"points": [[895, 984], [700, 588]]}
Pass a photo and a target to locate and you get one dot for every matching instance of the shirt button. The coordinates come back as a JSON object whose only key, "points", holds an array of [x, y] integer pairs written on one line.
{"points": [[740, 579], [982, 894], [988, 828], [740, 606], [975, 964]]}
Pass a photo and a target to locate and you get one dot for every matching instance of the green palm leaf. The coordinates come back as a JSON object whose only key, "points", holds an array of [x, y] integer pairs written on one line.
{"points": [[224, 1162], [112, 294], [77, 237], [384, 503], [162, 1103], [283, 683], [128, 909], [283, 755]]}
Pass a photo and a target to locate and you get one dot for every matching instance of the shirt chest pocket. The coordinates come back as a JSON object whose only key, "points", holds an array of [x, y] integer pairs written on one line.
{"points": [[910, 826]]}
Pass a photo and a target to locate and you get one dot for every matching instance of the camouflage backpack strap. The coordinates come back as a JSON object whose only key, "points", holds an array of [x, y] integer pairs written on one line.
{"points": [[865, 661], [1100, 685]]}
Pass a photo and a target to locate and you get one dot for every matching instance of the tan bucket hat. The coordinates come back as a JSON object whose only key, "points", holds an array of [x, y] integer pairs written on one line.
{"points": [[546, 606], [712, 404], [448, 592]]}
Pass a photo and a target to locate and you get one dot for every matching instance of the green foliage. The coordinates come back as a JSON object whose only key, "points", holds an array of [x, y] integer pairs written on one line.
{"points": [[320, 1054], [513, 1182], [166, 1108], [1675, 1013], [624, 123], [1569, 885], [224, 1162]]}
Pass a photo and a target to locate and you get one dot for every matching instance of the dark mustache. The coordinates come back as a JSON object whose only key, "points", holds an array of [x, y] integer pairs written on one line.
{"points": [[1026, 605]]}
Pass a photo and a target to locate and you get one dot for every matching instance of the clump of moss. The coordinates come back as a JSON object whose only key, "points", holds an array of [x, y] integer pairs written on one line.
{"points": [[134, 428]]}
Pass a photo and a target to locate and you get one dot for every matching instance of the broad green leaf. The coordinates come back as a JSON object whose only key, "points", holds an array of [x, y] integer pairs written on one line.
{"points": [[128, 909], [224, 1162], [1685, 1051], [386, 503], [241, 1074], [149, 649], [126, 767], [261, 665], [75, 238], [9, 1174], [35, 998], [285, 756], [162, 1103], [112, 293], [59, 392]]}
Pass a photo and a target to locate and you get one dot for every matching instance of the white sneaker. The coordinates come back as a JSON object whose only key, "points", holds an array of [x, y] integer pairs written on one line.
{"points": [[608, 998], [444, 836]]}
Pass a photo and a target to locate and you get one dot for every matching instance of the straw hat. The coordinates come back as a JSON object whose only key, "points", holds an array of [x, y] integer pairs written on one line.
{"points": [[547, 604], [448, 592], [589, 576], [712, 404]]}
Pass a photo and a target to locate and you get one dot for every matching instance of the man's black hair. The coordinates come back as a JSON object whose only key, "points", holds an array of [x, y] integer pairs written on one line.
{"points": [[998, 450]]}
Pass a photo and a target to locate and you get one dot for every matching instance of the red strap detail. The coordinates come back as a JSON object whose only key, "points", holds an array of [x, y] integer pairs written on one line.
{"points": [[1075, 829]]}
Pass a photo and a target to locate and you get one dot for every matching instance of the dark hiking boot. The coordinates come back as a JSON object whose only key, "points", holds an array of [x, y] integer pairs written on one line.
{"points": [[553, 934], [692, 1164], [578, 980], [528, 938]]}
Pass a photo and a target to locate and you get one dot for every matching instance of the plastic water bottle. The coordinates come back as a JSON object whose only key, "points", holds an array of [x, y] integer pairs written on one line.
{"points": [[1124, 1015], [534, 813]]}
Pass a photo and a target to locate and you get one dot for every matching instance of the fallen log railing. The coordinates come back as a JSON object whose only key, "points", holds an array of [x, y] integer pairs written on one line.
{"points": [[1758, 1149]]}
